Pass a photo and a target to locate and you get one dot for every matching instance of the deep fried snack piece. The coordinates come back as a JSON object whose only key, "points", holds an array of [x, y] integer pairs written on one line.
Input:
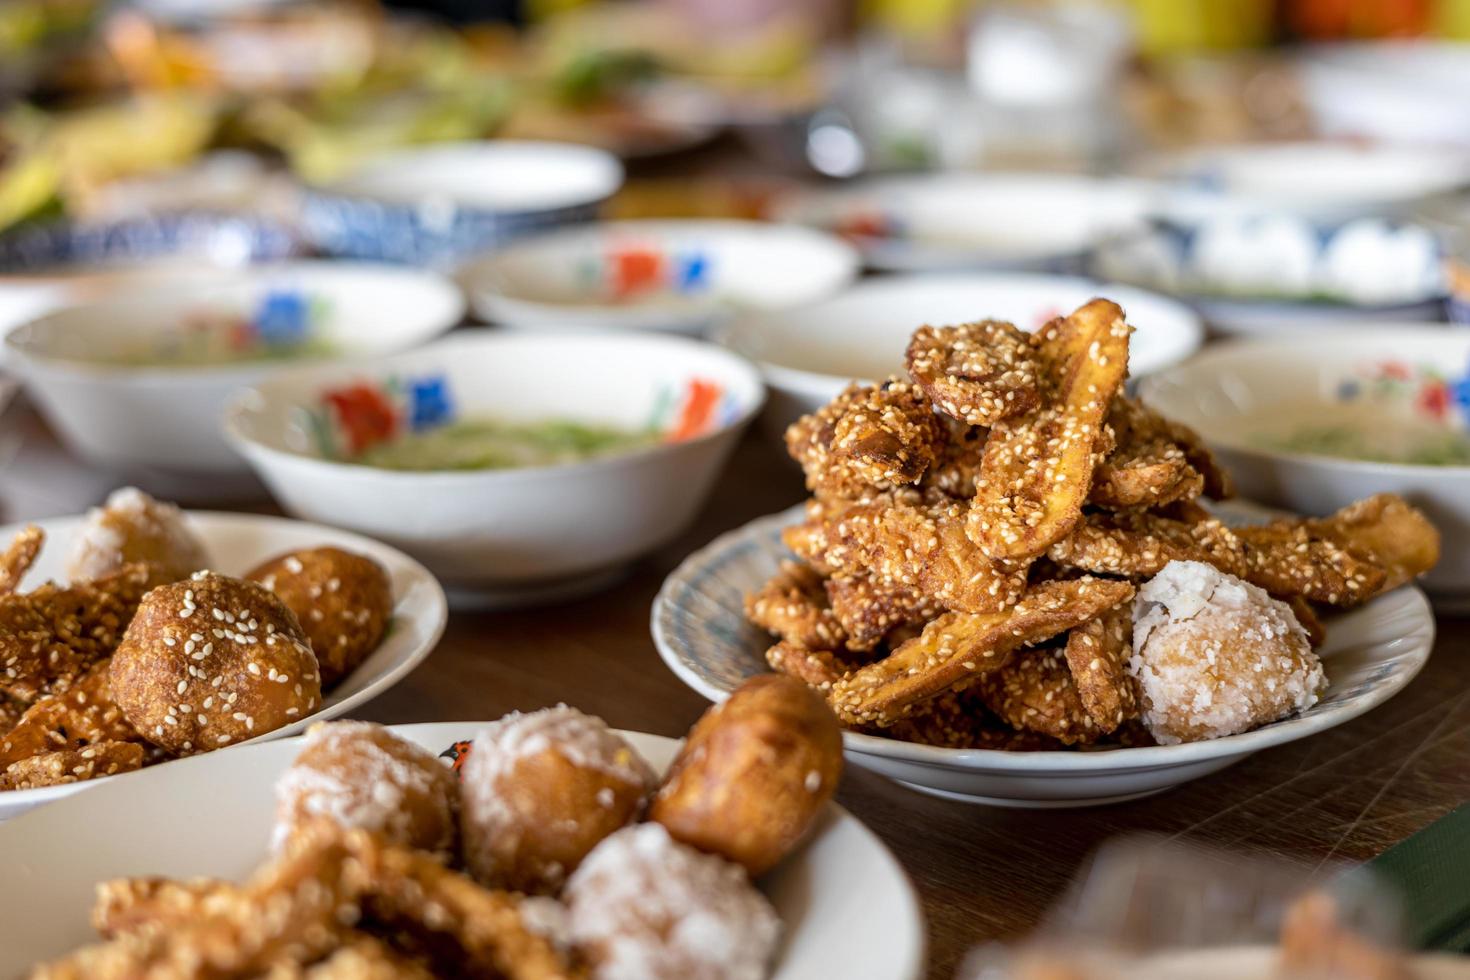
{"points": [[867, 439], [364, 958], [794, 606], [815, 668], [342, 599], [869, 609], [1140, 544], [956, 648], [19, 557], [1306, 615], [1097, 654], [364, 776], [1038, 466], [539, 791], [1147, 468], [1288, 558], [956, 471], [73, 765], [753, 774], [913, 542], [1387, 531], [979, 372], [52, 635], [211, 661], [130, 528], [959, 720], [83, 715], [125, 905], [1035, 692]]}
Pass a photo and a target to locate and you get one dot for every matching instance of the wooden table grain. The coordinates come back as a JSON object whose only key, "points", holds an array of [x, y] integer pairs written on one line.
{"points": [[982, 873]]}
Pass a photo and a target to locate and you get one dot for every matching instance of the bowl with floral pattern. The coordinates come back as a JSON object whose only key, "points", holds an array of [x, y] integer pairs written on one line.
{"points": [[679, 275], [517, 467], [1312, 426], [135, 383]]}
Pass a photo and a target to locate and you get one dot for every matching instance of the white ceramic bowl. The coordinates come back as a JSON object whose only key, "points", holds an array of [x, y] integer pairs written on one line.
{"points": [[237, 543], [438, 205], [676, 275], [1401, 91], [1236, 395], [846, 906], [946, 222], [701, 632], [810, 353], [162, 422], [510, 535]]}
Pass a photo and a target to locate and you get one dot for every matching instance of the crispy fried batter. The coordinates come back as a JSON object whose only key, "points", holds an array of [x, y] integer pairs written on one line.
{"points": [[978, 372], [1139, 544], [1386, 530], [956, 471], [1097, 655], [82, 715], [126, 905], [1038, 467], [1034, 692], [794, 606], [866, 440], [364, 958], [818, 668], [1306, 615], [956, 648], [50, 636], [960, 721], [869, 609], [73, 765], [19, 557], [1288, 559], [1147, 468]]}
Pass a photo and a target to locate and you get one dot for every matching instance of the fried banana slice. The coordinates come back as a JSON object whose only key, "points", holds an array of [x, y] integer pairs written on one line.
{"points": [[1386, 530], [869, 609], [1146, 468], [961, 721], [49, 637], [815, 668], [1289, 559], [866, 440], [1306, 615], [73, 765], [1037, 469], [83, 715], [956, 471], [125, 905], [1140, 544], [957, 648], [1035, 693], [979, 373], [1097, 654], [794, 606], [364, 958], [19, 557]]}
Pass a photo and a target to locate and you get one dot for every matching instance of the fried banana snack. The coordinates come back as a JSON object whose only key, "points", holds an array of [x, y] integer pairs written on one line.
{"points": [[1034, 692], [957, 648], [1386, 531], [959, 720], [794, 606], [867, 440], [1147, 468], [126, 905], [816, 668], [1288, 559], [1037, 469], [1139, 544], [1097, 655], [869, 609], [81, 716], [73, 765], [978, 373], [19, 557]]}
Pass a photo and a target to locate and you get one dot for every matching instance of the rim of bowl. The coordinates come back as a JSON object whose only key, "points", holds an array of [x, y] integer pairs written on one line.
{"points": [[473, 274], [237, 406], [1148, 384], [613, 176], [237, 372]]}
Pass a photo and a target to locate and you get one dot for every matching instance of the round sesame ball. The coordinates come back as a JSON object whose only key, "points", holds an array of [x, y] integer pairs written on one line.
{"points": [[364, 777], [539, 791], [133, 527], [212, 661], [342, 599]]}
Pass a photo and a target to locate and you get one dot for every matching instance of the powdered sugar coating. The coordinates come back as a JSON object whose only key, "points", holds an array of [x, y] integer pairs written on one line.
{"points": [[1215, 656], [645, 907], [363, 776], [132, 526]]}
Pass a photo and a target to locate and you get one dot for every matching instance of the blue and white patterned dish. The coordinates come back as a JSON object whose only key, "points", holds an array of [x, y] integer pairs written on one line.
{"points": [[438, 205], [700, 630], [218, 237]]}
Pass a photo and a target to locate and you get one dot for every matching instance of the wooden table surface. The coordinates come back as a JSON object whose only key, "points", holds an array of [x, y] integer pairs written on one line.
{"points": [[982, 873]]}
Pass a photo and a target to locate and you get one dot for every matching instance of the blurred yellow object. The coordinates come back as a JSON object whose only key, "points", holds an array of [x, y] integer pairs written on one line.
{"points": [[1168, 27], [27, 186], [915, 17], [1451, 20]]}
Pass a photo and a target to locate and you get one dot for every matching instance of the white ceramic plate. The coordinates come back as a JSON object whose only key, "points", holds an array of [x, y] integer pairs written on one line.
{"points": [[847, 906], [236, 543], [700, 630], [809, 353], [672, 275]]}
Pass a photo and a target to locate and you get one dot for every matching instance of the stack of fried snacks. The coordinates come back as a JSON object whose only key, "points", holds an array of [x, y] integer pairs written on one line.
{"points": [[975, 534]]}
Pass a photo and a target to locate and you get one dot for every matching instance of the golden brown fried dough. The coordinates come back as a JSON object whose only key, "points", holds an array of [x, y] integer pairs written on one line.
{"points": [[126, 905], [1138, 545], [793, 605], [19, 557], [1146, 468], [754, 773], [82, 715], [1034, 692], [1388, 532], [979, 373], [73, 765], [869, 609], [133, 528], [1288, 559], [1097, 654], [818, 668], [867, 440]]}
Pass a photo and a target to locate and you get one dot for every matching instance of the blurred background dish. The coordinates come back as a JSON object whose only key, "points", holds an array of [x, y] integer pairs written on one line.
{"points": [[438, 205], [1400, 90], [680, 276], [1038, 222], [810, 353], [1311, 426], [517, 467], [135, 385]]}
